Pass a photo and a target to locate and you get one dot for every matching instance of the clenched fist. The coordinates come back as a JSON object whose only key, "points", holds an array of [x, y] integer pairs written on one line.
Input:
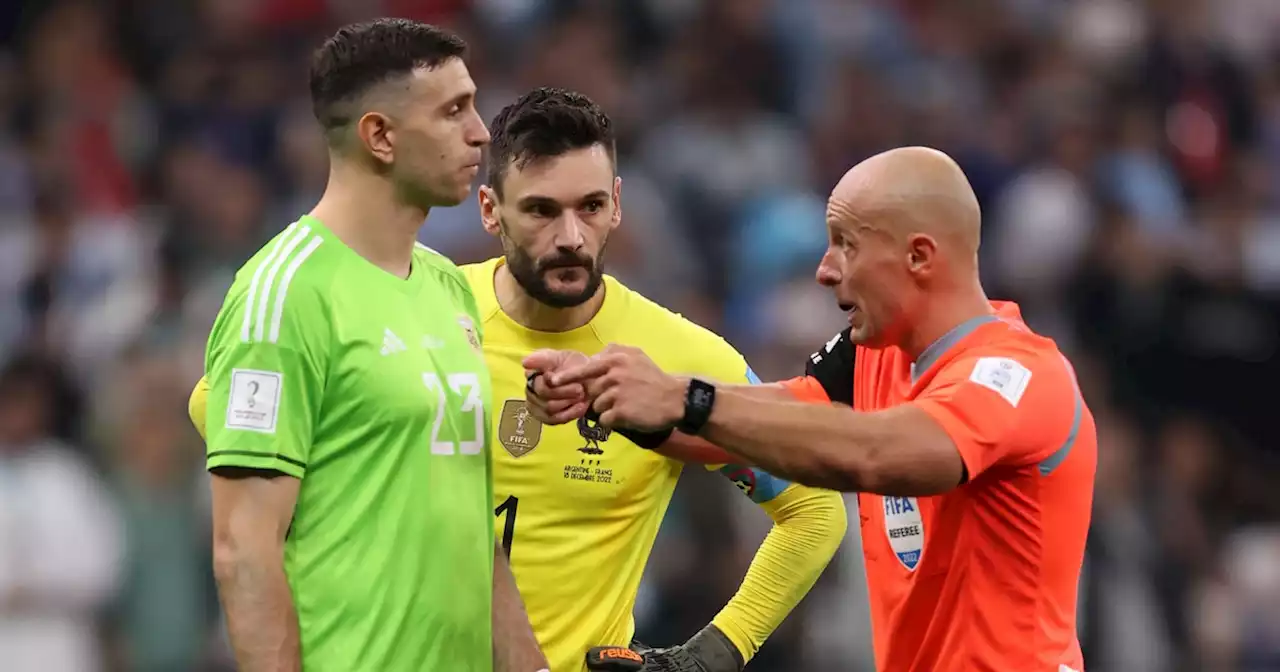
{"points": [[625, 387], [549, 403]]}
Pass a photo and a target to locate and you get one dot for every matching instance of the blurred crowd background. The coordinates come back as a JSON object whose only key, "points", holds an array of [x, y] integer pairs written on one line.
{"points": [[1126, 154]]}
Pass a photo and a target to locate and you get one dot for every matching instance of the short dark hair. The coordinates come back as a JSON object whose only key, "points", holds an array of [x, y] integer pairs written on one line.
{"points": [[362, 55], [544, 123]]}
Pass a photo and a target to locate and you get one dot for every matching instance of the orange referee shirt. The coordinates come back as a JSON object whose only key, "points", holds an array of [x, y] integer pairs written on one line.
{"points": [[985, 576]]}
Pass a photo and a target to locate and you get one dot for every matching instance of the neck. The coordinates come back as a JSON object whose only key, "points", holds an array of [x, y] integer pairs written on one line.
{"points": [[365, 213], [530, 313], [943, 313]]}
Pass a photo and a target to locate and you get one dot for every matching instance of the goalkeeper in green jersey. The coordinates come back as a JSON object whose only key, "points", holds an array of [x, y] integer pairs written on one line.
{"points": [[348, 398]]}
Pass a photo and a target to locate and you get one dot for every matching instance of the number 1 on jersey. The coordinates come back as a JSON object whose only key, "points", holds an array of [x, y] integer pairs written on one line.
{"points": [[509, 507]]}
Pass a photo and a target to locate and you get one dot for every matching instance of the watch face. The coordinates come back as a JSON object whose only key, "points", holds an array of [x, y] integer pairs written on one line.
{"points": [[701, 397], [697, 406]]}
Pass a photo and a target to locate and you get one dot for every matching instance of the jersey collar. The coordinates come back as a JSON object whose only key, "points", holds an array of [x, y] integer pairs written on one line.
{"points": [[605, 319], [938, 348]]}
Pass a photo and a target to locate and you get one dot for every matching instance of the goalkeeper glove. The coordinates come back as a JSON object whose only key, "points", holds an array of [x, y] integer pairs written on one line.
{"points": [[614, 659], [707, 651]]}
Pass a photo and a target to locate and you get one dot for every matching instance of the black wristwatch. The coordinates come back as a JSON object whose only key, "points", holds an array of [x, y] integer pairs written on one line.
{"points": [[698, 400]]}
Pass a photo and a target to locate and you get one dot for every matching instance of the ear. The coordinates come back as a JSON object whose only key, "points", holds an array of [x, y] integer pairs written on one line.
{"points": [[490, 215], [378, 136], [922, 252], [617, 203]]}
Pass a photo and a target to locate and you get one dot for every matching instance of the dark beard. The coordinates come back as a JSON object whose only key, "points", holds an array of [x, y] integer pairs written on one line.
{"points": [[531, 273]]}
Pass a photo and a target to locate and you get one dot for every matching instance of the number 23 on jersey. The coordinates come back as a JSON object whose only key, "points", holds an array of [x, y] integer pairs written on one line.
{"points": [[467, 386]]}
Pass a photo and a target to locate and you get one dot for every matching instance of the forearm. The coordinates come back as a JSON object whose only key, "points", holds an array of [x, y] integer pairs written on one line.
{"points": [[515, 648], [809, 525], [261, 619], [698, 449], [815, 444]]}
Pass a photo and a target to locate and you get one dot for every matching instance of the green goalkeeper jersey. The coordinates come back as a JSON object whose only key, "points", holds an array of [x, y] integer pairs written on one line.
{"points": [[373, 391]]}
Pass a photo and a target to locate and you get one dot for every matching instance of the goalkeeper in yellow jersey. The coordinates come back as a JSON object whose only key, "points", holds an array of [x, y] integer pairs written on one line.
{"points": [[578, 507]]}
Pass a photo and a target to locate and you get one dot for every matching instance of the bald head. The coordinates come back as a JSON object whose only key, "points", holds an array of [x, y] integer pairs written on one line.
{"points": [[910, 190]]}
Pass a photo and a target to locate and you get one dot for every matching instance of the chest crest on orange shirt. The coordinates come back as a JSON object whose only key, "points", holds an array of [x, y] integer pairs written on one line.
{"points": [[905, 528]]}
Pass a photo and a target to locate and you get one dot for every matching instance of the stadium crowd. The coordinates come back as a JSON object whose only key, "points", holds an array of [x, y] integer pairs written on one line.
{"points": [[1126, 154]]}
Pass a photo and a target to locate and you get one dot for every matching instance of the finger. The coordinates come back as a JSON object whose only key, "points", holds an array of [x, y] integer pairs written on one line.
{"points": [[546, 359], [561, 405], [539, 404], [558, 412], [540, 414], [598, 386], [605, 408], [544, 389], [605, 401], [570, 414], [532, 397], [593, 368]]}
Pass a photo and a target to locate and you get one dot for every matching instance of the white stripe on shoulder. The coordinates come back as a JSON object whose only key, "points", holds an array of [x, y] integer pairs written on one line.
{"points": [[283, 292], [247, 322], [260, 326], [420, 246]]}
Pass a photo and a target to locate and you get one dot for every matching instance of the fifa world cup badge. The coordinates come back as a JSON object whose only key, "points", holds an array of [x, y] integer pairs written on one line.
{"points": [[518, 430], [469, 328]]}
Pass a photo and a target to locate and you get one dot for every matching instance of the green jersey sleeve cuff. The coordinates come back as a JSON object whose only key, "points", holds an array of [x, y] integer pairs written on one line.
{"points": [[247, 459]]}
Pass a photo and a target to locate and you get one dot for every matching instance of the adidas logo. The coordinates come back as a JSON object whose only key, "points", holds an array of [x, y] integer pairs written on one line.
{"points": [[391, 343]]}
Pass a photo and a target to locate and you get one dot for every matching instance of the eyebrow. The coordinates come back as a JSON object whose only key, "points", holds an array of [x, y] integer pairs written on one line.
{"points": [[460, 99], [538, 199]]}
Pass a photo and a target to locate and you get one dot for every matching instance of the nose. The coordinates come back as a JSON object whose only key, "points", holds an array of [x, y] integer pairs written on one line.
{"points": [[570, 232], [477, 133], [828, 274]]}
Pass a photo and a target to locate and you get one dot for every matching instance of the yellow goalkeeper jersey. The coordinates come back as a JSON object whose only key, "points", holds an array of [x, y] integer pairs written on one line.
{"points": [[578, 506]]}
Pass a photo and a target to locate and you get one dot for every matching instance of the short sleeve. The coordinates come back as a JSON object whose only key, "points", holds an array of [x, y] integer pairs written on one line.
{"points": [[266, 384], [806, 389], [999, 408]]}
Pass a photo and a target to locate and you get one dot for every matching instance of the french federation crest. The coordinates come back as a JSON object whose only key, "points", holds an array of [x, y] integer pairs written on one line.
{"points": [[594, 435], [905, 529], [469, 328]]}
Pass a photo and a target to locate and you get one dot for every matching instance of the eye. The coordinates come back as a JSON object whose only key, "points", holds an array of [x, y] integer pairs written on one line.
{"points": [[455, 110], [542, 210], [592, 207]]}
